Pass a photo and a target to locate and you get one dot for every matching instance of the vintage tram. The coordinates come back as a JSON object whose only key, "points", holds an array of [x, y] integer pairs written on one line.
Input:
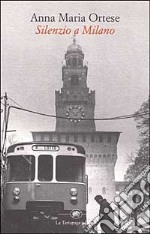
{"points": [[46, 187]]}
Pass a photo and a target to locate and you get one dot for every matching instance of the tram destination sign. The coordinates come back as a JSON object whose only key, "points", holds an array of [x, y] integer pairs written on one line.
{"points": [[45, 147]]}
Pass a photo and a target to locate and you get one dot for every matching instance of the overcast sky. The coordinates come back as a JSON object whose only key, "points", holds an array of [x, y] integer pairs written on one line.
{"points": [[117, 65]]}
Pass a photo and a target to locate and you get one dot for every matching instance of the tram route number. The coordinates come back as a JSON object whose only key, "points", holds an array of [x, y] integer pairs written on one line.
{"points": [[45, 147]]}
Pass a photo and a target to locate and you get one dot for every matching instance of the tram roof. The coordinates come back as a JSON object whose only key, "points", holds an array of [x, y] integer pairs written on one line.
{"points": [[80, 149]]}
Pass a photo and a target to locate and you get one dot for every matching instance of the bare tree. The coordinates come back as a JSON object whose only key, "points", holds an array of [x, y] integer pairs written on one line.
{"points": [[141, 160]]}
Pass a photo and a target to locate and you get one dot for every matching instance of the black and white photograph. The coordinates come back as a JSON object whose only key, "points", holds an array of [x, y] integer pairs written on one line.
{"points": [[75, 117]]}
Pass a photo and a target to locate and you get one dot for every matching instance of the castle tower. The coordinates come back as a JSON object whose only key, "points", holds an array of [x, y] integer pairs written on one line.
{"points": [[75, 101], [75, 105]]}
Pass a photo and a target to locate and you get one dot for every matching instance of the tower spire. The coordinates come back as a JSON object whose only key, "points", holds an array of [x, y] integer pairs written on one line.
{"points": [[74, 39]]}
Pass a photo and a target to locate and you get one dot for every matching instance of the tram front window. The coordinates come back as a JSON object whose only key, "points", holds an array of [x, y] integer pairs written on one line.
{"points": [[45, 168], [70, 168], [21, 168]]}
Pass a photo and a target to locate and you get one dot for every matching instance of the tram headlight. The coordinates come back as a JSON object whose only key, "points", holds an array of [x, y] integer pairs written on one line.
{"points": [[16, 191], [16, 199], [74, 200], [73, 192]]}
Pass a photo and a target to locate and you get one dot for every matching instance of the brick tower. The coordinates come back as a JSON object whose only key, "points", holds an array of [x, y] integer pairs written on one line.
{"points": [[75, 100]]}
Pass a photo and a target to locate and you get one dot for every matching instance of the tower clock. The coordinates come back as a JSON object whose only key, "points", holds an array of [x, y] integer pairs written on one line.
{"points": [[75, 113]]}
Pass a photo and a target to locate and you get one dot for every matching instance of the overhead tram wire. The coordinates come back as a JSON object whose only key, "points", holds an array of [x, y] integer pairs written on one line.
{"points": [[54, 116], [15, 102], [2, 103], [60, 117]]}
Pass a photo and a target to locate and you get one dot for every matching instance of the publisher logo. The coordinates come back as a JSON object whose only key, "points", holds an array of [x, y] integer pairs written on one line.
{"points": [[76, 214]]}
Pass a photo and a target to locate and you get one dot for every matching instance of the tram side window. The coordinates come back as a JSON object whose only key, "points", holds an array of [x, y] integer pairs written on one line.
{"points": [[21, 168], [45, 168], [70, 168]]}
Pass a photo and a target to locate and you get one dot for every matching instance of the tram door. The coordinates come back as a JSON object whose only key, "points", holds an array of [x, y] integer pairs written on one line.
{"points": [[43, 189]]}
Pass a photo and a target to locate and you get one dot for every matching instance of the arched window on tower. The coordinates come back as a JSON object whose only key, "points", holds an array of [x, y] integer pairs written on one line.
{"points": [[74, 80], [68, 62], [74, 62], [80, 63]]}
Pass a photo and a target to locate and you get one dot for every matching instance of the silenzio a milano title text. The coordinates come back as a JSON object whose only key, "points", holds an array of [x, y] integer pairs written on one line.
{"points": [[66, 18]]}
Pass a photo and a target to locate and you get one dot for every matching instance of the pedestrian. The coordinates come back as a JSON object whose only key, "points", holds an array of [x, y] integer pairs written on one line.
{"points": [[106, 223]]}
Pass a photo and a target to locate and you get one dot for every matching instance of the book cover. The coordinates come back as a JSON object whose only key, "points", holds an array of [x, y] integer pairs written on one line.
{"points": [[77, 72]]}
